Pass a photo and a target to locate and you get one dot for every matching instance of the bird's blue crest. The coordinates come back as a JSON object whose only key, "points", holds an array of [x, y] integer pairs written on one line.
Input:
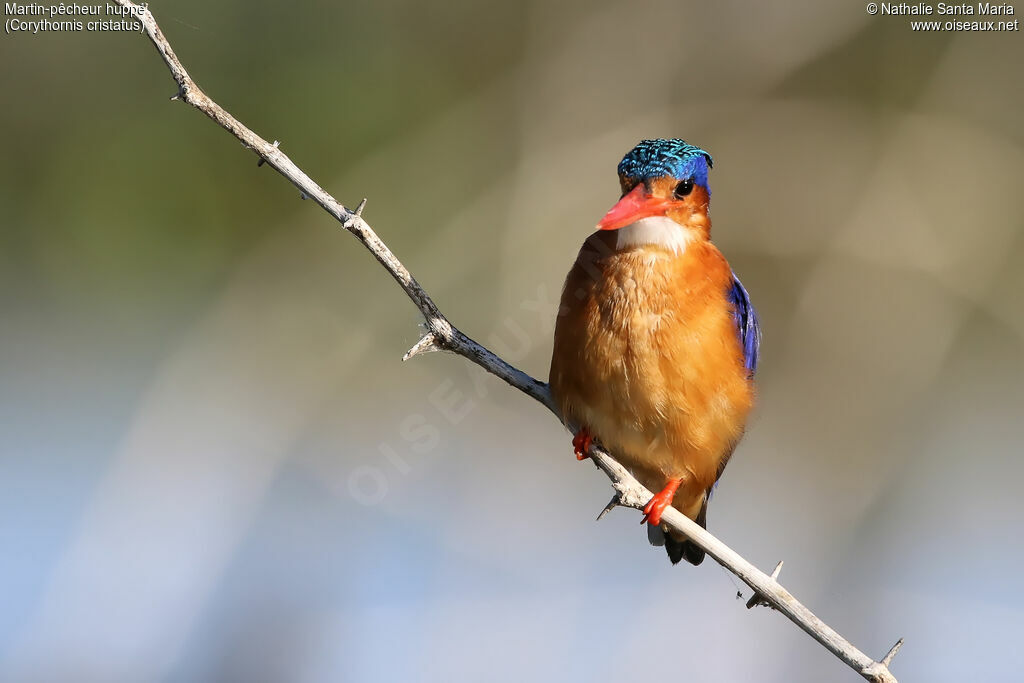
{"points": [[673, 157]]}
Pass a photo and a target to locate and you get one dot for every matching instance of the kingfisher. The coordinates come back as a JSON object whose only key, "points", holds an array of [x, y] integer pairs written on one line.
{"points": [[657, 342]]}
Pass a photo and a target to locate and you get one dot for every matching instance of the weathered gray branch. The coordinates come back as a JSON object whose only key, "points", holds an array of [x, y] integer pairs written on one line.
{"points": [[442, 335]]}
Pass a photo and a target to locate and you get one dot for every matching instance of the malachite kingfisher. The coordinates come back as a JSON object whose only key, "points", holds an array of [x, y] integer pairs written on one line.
{"points": [[656, 341]]}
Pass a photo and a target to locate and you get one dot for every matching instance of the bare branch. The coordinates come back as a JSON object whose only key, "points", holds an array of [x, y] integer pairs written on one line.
{"points": [[758, 599], [442, 335], [263, 160]]}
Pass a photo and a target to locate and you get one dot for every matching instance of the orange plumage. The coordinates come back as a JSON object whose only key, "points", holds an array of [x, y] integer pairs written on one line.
{"points": [[646, 356]]}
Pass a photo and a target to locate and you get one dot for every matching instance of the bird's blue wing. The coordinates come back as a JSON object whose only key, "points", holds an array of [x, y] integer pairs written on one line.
{"points": [[745, 316]]}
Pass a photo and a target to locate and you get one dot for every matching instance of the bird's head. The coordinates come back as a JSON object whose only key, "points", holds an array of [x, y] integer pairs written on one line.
{"points": [[663, 179]]}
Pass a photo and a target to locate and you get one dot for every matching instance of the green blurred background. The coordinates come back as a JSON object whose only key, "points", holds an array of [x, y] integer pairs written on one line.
{"points": [[214, 466]]}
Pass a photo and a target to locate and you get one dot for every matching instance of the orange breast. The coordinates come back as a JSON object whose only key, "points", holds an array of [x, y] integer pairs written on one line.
{"points": [[646, 356]]}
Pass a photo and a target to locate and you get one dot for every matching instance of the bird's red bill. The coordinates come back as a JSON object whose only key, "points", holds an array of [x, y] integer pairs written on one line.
{"points": [[636, 204]]}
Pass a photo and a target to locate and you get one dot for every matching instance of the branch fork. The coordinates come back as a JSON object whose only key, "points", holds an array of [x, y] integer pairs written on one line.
{"points": [[442, 335]]}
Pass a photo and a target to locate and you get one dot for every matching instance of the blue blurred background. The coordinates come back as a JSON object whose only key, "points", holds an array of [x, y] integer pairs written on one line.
{"points": [[214, 466]]}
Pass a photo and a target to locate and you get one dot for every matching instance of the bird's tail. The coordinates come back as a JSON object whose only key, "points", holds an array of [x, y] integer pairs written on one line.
{"points": [[679, 550]]}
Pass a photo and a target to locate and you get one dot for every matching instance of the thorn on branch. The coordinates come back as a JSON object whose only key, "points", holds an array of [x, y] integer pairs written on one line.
{"points": [[612, 504], [892, 653], [758, 599], [359, 209], [180, 95], [263, 159], [426, 344]]}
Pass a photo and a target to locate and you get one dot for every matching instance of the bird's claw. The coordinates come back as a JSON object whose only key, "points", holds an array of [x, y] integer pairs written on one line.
{"points": [[659, 501], [581, 443]]}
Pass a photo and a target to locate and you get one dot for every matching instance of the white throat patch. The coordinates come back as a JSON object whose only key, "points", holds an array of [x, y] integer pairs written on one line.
{"points": [[654, 230]]}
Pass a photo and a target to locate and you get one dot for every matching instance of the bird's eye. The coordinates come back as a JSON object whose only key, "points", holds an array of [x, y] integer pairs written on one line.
{"points": [[683, 188]]}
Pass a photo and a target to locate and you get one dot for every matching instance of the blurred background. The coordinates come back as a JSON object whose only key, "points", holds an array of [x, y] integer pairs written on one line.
{"points": [[215, 467]]}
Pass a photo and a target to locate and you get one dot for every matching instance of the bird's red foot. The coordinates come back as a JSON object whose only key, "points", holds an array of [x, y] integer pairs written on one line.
{"points": [[581, 443], [661, 500]]}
